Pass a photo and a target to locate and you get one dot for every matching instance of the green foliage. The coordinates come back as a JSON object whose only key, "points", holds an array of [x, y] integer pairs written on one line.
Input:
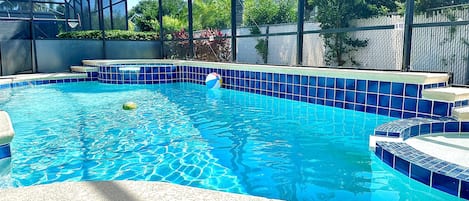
{"points": [[259, 12], [171, 25], [131, 25], [211, 14], [262, 48], [110, 35], [423, 6], [92, 34], [336, 14], [146, 15], [206, 14]]}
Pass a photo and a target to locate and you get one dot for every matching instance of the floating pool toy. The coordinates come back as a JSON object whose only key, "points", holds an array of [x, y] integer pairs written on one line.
{"points": [[213, 81], [129, 106]]}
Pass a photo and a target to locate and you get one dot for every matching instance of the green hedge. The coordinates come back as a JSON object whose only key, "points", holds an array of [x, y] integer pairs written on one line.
{"points": [[110, 34]]}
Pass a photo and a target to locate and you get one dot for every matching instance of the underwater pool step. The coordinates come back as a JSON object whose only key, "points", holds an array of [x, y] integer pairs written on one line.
{"points": [[83, 69], [447, 94]]}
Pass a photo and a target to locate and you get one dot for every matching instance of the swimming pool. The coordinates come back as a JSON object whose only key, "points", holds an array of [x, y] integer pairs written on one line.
{"points": [[183, 133]]}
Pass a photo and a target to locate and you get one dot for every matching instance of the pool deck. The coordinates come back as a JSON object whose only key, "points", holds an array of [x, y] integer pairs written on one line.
{"points": [[119, 190]]}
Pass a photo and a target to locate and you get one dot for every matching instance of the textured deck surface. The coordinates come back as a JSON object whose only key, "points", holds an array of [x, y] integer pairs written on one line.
{"points": [[118, 190]]}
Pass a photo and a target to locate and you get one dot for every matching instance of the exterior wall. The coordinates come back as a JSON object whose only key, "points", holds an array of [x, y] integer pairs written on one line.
{"points": [[133, 49], [15, 47], [15, 56], [59, 55]]}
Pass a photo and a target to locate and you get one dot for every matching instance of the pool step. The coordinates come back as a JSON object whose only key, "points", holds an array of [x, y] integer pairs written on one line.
{"points": [[83, 69], [461, 113], [458, 95], [447, 94]]}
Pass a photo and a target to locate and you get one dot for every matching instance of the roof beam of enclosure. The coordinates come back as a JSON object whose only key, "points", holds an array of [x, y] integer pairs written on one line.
{"points": [[101, 25], [33, 38], [191, 29], [233, 30], [299, 36], [160, 19], [409, 20]]}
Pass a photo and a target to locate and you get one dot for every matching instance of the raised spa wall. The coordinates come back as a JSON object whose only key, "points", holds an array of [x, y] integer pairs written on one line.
{"points": [[389, 93]]}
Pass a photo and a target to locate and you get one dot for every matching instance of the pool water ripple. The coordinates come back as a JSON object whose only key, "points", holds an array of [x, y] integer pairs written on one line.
{"points": [[183, 133]]}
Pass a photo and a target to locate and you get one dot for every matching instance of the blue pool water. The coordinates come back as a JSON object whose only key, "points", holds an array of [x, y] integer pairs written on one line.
{"points": [[185, 134]]}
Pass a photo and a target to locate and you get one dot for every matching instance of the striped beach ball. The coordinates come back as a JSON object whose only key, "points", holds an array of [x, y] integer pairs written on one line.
{"points": [[213, 81]]}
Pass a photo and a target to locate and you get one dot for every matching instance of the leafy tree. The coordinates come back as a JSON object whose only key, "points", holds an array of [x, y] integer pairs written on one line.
{"points": [[336, 14], [146, 15], [206, 14], [422, 6], [211, 14], [171, 25], [261, 12]]}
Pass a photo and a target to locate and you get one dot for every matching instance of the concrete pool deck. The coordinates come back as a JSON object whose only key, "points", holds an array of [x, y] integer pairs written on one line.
{"points": [[119, 190]]}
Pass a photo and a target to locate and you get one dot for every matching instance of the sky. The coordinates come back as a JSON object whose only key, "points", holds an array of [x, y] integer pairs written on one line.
{"points": [[131, 3]]}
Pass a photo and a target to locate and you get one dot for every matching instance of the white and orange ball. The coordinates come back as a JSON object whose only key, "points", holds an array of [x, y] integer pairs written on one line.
{"points": [[213, 81]]}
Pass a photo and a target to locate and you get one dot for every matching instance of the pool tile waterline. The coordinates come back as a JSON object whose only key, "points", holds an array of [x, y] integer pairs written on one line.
{"points": [[400, 100]]}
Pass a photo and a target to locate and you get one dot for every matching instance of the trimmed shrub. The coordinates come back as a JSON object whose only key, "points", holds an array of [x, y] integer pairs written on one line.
{"points": [[213, 47], [109, 34]]}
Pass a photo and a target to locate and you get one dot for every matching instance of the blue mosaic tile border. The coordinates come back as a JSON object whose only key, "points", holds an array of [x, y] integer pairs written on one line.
{"points": [[447, 177], [407, 128], [42, 82], [5, 151], [401, 100], [138, 74], [92, 75]]}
